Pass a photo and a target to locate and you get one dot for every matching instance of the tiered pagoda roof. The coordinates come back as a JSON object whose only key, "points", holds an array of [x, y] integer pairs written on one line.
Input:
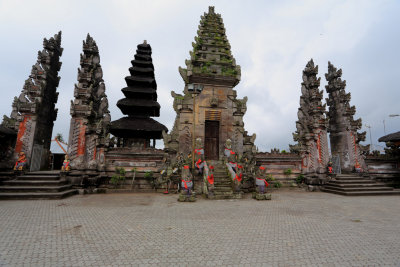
{"points": [[211, 60], [140, 102]]}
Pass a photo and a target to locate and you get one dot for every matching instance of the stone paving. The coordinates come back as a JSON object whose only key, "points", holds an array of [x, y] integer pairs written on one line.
{"points": [[296, 228]]}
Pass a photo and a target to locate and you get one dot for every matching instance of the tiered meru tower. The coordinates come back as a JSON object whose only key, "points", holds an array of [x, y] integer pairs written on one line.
{"points": [[89, 110], [311, 127], [344, 137], [140, 103], [33, 112], [208, 108]]}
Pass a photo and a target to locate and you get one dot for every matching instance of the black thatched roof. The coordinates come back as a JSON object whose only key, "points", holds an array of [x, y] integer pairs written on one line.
{"points": [[137, 127], [390, 137]]}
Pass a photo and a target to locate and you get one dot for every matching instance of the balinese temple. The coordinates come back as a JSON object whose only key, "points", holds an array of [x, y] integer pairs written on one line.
{"points": [[33, 112], [209, 108], [89, 111], [311, 133], [140, 104], [344, 137]]}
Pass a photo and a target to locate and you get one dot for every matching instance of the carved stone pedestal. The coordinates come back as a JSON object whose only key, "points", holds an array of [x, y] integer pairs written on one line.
{"points": [[183, 197], [259, 196]]}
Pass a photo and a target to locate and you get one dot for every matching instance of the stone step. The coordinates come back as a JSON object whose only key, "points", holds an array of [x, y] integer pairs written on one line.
{"points": [[38, 195], [38, 177], [361, 193], [34, 188], [359, 188], [355, 184], [352, 181], [44, 173], [34, 182]]}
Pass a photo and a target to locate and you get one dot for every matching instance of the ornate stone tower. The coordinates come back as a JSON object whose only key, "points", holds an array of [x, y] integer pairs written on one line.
{"points": [[89, 111], [140, 103], [208, 107], [33, 112], [344, 137], [311, 127]]}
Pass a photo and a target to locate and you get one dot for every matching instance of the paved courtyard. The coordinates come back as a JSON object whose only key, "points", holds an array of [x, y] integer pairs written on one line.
{"points": [[296, 228]]}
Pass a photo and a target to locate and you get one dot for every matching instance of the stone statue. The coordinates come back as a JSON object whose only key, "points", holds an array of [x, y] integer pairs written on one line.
{"points": [[199, 157], [230, 158], [237, 181], [20, 164], [66, 164], [187, 193], [261, 185], [210, 182]]}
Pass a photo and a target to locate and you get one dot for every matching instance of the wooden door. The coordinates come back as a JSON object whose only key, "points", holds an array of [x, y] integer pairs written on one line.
{"points": [[211, 140]]}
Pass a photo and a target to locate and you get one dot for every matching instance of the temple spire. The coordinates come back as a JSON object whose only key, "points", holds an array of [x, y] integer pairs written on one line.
{"points": [[34, 111], [342, 127], [211, 57], [311, 126], [89, 110]]}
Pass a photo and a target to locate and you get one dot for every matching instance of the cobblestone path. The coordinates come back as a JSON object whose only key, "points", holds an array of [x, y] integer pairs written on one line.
{"points": [[296, 228]]}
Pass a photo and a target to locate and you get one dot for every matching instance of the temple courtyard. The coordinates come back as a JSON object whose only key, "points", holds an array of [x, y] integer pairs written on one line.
{"points": [[296, 228]]}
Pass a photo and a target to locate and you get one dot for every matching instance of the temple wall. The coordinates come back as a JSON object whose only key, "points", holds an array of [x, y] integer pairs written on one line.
{"points": [[276, 164], [150, 159], [384, 170]]}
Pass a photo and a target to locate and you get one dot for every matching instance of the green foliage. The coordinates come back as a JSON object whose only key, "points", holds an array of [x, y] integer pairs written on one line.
{"points": [[118, 177], [287, 172], [148, 175], [277, 184], [59, 137], [300, 178], [270, 178]]}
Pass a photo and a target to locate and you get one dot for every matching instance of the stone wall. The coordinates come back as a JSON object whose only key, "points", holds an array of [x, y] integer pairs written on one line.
{"points": [[277, 163], [384, 170]]}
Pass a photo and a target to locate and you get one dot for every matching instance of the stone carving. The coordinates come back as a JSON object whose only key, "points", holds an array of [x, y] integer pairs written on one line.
{"points": [[187, 193], [89, 131], [20, 164], [66, 164], [342, 127], [199, 157], [261, 185], [311, 133]]}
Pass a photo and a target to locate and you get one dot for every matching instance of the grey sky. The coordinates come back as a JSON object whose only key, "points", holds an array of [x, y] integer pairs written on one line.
{"points": [[271, 40]]}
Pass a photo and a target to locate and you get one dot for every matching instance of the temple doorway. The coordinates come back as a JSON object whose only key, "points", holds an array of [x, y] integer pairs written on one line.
{"points": [[211, 140]]}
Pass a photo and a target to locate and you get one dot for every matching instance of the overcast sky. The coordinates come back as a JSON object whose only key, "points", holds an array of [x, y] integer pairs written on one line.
{"points": [[271, 40]]}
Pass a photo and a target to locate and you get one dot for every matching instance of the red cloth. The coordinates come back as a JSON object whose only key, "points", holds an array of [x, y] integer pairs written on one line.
{"points": [[198, 163], [239, 177], [210, 179], [265, 181], [184, 182]]}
